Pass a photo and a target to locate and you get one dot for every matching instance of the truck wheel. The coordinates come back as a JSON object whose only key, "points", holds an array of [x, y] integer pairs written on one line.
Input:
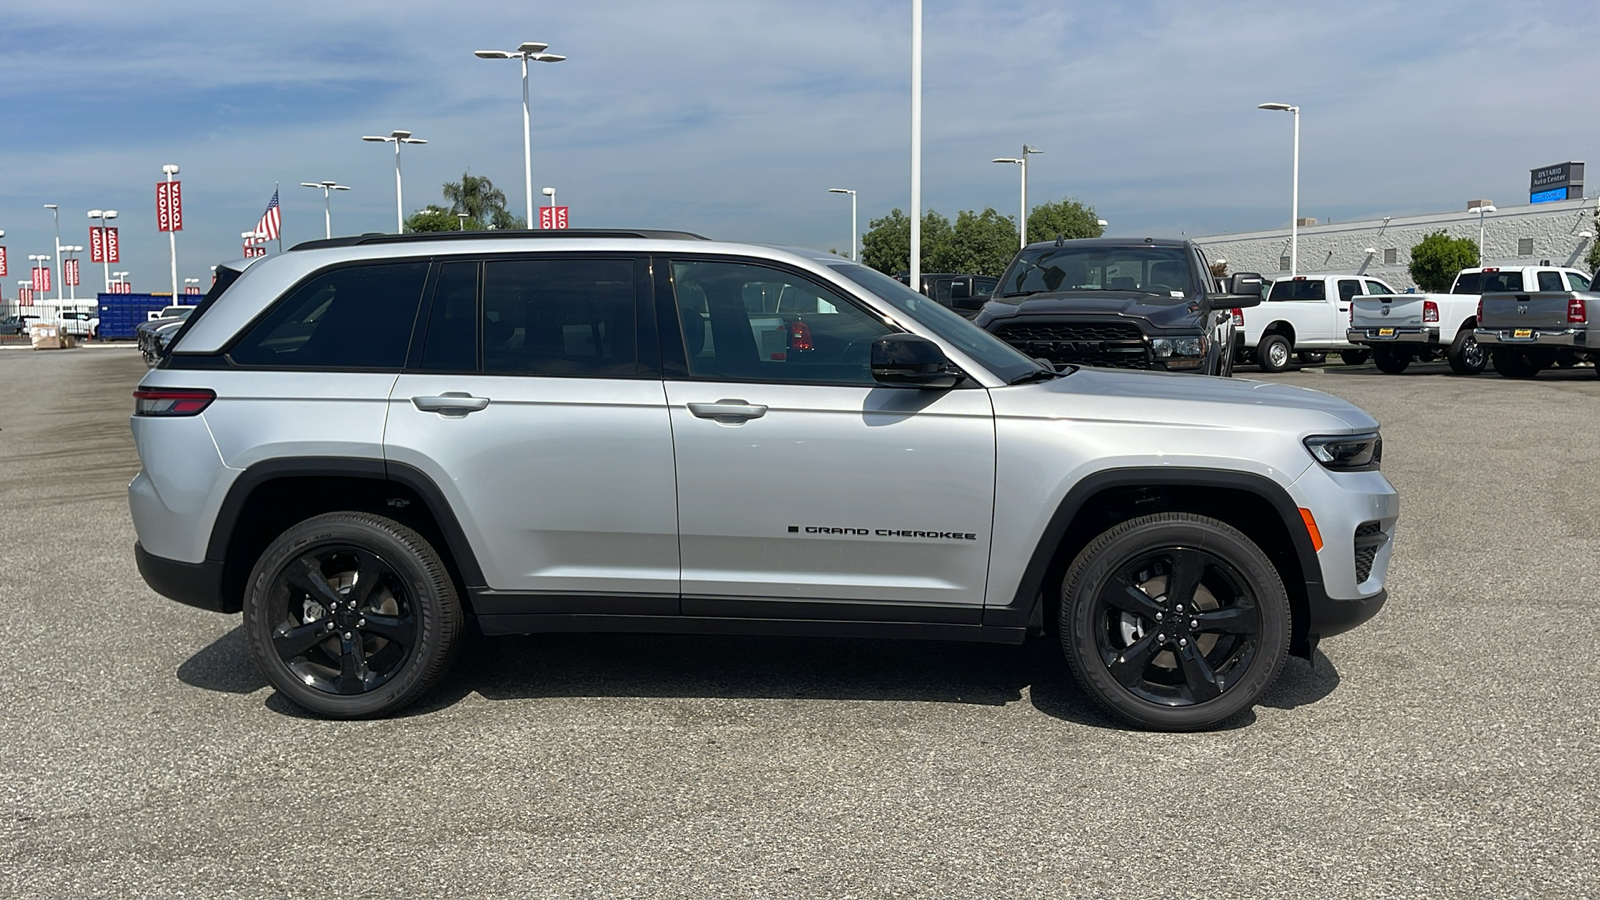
{"points": [[1354, 357], [1465, 356], [1391, 360], [351, 615], [1174, 621], [1514, 363], [1273, 353], [1312, 358]]}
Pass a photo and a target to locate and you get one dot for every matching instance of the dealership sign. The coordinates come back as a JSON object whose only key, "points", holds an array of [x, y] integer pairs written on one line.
{"points": [[169, 206], [1558, 182]]}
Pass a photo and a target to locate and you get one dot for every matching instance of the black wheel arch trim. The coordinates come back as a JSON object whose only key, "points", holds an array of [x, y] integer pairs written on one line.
{"points": [[1026, 605]]}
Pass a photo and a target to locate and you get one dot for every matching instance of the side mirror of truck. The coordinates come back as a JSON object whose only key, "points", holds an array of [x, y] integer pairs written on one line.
{"points": [[1243, 291], [909, 360]]}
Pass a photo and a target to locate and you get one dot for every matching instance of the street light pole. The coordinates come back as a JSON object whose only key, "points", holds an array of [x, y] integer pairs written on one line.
{"points": [[854, 253], [56, 214], [1294, 196], [329, 186], [172, 234], [74, 249], [396, 137], [1485, 208], [915, 267], [105, 244], [1022, 214], [527, 51]]}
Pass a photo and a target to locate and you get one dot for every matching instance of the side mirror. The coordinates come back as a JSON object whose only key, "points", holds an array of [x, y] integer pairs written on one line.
{"points": [[907, 360], [1243, 291]]}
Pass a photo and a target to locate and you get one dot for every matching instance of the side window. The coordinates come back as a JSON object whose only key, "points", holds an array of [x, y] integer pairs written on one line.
{"points": [[1348, 288], [1577, 282], [820, 337], [572, 317], [354, 317], [1550, 281], [1378, 287], [452, 340]]}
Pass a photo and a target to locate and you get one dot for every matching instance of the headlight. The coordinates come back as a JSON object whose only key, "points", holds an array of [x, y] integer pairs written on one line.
{"points": [[1188, 346], [1347, 452], [1161, 347]]}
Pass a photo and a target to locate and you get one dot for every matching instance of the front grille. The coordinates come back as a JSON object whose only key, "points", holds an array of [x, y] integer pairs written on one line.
{"points": [[1117, 345], [1369, 537]]}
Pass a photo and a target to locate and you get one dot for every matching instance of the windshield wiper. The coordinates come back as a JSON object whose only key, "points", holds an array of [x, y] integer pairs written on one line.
{"points": [[1035, 375]]}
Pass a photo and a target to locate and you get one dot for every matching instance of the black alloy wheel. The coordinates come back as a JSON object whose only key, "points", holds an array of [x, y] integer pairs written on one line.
{"points": [[1466, 355], [1354, 357], [1174, 621], [1391, 360], [351, 615]]}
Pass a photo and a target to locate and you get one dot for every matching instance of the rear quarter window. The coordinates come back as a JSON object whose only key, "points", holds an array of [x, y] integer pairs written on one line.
{"points": [[1303, 289], [353, 317]]}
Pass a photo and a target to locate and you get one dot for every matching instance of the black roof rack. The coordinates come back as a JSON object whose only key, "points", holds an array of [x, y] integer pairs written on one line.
{"points": [[499, 234]]}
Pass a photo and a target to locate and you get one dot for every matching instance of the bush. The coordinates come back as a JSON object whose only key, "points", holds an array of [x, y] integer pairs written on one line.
{"points": [[1439, 258]]}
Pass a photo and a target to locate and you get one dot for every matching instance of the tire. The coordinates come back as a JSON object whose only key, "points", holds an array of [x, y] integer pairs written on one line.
{"points": [[1567, 359], [1391, 360], [1515, 363], [1354, 357], [1162, 674], [1273, 353], [1312, 358], [372, 657], [1466, 356]]}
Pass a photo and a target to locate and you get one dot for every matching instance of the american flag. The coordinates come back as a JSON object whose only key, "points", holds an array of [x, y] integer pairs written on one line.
{"points": [[271, 220]]}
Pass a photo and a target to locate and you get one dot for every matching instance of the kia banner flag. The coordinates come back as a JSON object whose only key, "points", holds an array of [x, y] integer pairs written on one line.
{"points": [[113, 249], [97, 244], [169, 206]]}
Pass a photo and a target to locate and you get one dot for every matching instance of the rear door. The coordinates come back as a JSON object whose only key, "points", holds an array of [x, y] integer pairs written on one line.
{"points": [[533, 403], [805, 489]]}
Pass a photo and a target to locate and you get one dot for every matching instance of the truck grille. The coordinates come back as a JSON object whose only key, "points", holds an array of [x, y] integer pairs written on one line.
{"points": [[1369, 537], [1117, 345]]}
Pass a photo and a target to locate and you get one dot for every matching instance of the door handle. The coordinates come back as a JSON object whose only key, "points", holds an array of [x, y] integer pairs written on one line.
{"points": [[730, 411], [450, 403]]}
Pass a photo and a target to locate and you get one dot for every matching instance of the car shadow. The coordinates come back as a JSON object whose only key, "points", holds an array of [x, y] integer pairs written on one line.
{"points": [[552, 666]]}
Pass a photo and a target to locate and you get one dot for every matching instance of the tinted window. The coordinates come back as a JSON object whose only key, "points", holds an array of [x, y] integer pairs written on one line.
{"points": [[1467, 283], [1378, 287], [1499, 282], [452, 341], [1299, 289], [560, 317], [983, 287], [356, 317], [1348, 287], [800, 332], [1157, 270], [1550, 281], [1578, 282]]}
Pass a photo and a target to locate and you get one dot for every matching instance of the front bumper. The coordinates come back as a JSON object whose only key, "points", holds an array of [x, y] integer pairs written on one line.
{"points": [[1534, 337], [1329, 617], [1405, 334], [196, 584], [1356, 514]]}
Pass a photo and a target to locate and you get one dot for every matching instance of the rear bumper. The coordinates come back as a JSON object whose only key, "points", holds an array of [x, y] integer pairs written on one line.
{"points": [[196, 584], [1410, 334], [1546, 337]]}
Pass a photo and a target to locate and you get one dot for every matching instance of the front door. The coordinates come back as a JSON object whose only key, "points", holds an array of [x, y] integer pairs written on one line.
{"points": [[806, 490]]}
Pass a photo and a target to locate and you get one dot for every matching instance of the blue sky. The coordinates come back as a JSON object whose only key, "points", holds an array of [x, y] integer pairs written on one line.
{"points": [[733, 118]]}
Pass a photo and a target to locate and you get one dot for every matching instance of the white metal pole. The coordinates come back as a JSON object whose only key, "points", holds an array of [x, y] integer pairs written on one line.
{"points": [[327, 211], [1022, 216], [916, 146], [105, 256], [527, 146], [56, 213], [1294, 202], [1481, 257], [855, 236], [172, 237], [399, 205]]}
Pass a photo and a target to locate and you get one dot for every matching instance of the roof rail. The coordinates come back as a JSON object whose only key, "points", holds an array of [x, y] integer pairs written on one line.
{"points": [[498, 234]]}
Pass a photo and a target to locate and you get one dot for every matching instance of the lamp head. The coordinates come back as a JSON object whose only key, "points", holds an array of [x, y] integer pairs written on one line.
{"points": [[50, 206], [548, 191], [532, 47], [547, 57], [400, 134], [169, 169], [1278, 107], [1582, 234], [840, 191], [1006, 159], [1101, 222], [491, 54], [374, 137], [1026, 149], [96, 213], [1371, 251]]}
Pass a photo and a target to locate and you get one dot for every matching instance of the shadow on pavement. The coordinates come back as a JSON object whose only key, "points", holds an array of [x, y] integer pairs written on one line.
{"points": [[224, 665]]}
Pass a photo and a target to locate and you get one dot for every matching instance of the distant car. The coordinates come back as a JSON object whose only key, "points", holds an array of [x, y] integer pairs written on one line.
{"points": [[79, 322], [154, 335], [170, 312], [13, 325], [965, 294]]}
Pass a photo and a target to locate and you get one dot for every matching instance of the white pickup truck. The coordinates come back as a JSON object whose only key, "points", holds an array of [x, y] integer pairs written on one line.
{"points": [[1401, 327], [1304, 314]]}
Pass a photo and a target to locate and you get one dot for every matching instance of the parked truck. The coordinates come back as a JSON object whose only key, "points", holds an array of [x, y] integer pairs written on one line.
{"points": [[1399, 328], [1529, 332], [1305, 315], [121, 314]]}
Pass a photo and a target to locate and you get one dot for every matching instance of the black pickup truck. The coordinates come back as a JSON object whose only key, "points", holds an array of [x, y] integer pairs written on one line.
{"points": [[1127, 303]]}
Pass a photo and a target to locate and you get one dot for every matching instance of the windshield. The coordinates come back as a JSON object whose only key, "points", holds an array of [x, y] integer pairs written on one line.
{"points": [[1299, 289], [1153, 270], [996, 355]]}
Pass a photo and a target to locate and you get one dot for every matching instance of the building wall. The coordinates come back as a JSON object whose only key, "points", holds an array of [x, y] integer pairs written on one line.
{"points": [[1553, 229]]}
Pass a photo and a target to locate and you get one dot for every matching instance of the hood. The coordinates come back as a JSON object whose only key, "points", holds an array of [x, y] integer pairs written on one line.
{"points": [[1174, 398], [1159, 311]]}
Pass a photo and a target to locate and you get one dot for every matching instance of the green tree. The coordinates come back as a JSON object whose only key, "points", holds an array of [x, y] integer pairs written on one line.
{"points": [[1593, 259], [1069, 218], [981, 243], [1436, 261], [436, 218], [483, 203], [887, 244]]}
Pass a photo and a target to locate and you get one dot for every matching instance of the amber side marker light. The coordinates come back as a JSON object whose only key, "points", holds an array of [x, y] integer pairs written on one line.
{"points": [[1311, 529]]}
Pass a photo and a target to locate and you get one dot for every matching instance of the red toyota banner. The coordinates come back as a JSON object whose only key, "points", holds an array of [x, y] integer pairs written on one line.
{"points": [[25, 296], [3, 272], [44, 280], [69, 272], [191, 289], [169, 206], [97, 244], [552, 217], [113, 249]]}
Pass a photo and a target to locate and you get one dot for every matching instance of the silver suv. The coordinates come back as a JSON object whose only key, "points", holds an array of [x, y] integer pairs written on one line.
{"points": [[363, 441]]}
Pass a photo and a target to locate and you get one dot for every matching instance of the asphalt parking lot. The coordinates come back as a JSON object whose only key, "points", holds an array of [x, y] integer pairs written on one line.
{"points": [[1448, 748]]}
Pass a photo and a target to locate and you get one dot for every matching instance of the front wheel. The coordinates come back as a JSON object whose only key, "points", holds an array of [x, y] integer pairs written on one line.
{"points": [[351, 615], [1273, 353], [1391, 360], [1174, 621], [1466, 356]]}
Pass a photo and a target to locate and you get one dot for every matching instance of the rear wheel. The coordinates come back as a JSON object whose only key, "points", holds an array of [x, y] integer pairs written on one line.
{"points": [[1312, 357], [1354, 357], [351, 615], [1174, 621], [1273, 353], [1466, 356], [1391, 360], [1513, 362]]}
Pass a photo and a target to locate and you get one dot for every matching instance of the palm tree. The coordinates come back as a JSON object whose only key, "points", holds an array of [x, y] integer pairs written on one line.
{"points": [[481, 200]]}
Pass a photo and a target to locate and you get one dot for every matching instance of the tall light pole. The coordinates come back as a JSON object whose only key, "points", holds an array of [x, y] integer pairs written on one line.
{"points": [[104, 215], [396, 137], [1482, 208], [172, 235], [74, 250], [915, 267], [1294, 196], [56, 213], [526, 51], [329, 186], [854, 255], [1022, 216]]}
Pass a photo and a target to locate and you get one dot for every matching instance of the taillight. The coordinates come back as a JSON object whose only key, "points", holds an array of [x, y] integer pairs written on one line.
{"points": [[171, 401], [1480, 309], [1575, 312], [800, 338], [1238, 317], [1430, 311]]}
